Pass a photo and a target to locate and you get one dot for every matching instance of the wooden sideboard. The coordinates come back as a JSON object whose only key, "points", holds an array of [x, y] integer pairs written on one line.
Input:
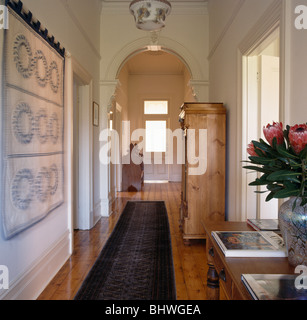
{"points": [[203, 195], [224, 274], [133, 174]]}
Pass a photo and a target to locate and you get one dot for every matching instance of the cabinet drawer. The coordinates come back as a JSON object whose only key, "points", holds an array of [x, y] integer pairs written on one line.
{"points": [[224, 277]]}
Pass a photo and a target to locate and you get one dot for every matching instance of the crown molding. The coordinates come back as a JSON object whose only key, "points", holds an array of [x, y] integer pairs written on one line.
{"points": [[262, 29], [79, 26], [226, 28]]}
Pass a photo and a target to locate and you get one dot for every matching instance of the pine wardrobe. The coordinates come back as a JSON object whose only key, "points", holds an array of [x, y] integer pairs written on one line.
{"points": [[203, 171]]}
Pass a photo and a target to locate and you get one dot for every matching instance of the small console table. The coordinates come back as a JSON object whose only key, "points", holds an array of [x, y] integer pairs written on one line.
{"points": [[224, 274]]}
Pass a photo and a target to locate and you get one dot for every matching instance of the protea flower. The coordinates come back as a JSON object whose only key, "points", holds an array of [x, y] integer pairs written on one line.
{"points": [[298, 137], [283, 173], [274, 131], [251, 150]]}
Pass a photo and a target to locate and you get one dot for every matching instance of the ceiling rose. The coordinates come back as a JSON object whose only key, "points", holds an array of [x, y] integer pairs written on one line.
{"points": [[150, 15]]}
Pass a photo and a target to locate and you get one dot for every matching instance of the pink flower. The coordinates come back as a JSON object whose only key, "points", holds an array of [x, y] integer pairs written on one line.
{"points": [[298, 137], [251, 150], [274, 131]]}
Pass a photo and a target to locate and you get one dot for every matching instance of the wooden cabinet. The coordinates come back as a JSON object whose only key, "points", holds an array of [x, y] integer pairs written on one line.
{"points": [[133, 174], [224, 274], [203, 192]]}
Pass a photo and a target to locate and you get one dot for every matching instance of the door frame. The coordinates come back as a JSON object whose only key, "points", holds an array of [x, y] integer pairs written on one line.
{"points": [[156, 117], [251, 118], [73, 69], [276, 16]]}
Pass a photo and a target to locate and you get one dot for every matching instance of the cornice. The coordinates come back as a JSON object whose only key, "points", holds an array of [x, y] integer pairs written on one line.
{"points": [[80, 28], [269, 21], [230, 21]]}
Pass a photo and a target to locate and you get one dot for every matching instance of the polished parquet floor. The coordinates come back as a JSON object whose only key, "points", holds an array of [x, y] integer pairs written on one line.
{"points": [[189, 260]]}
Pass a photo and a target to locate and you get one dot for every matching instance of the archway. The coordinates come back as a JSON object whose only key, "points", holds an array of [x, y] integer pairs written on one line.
{"points": [[149, 78], [109, 82], [111, 85]]}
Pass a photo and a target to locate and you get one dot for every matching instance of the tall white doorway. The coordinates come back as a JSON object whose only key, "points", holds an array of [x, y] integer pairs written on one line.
{"points": [[76, 167], [261, 92], [82, 162], [156, 116]]}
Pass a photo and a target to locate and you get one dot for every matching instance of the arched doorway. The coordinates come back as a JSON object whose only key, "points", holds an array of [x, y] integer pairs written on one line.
{"points": [[153, 86], [115, 96]]}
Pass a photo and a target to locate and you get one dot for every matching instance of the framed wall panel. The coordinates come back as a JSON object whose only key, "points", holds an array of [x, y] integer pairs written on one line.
{"points": [[32, 114]]}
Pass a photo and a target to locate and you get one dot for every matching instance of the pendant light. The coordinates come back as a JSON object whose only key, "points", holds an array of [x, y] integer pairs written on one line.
{"points": [[150, 15]]}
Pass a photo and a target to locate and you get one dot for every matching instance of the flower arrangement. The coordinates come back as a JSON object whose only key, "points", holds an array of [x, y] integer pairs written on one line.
{"points": [[282, 161]]}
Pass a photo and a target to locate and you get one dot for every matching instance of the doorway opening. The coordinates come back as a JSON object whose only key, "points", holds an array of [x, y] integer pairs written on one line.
{"points": [[76, 167], [82, 163], [82, 213], [152, 88], [156, 118], [261, 92]]}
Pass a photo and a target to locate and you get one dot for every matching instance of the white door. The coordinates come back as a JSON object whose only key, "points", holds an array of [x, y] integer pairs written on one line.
{"points": [[155, 167], [156, 124], [261, 106], [269, 112], [76, 197]]}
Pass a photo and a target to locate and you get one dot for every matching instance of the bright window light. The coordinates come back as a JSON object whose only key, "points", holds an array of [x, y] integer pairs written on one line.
{"points": [[155, 136], [156, 107]]}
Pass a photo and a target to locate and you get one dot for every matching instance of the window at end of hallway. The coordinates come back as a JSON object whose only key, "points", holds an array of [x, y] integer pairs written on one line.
{"points": [[156, 107]]}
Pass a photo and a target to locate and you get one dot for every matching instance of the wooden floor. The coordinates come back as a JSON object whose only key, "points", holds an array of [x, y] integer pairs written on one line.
{"points": [[189, 261]]}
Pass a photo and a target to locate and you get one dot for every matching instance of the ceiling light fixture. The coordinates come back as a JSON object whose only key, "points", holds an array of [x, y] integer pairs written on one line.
{"points": [[150, 15]]}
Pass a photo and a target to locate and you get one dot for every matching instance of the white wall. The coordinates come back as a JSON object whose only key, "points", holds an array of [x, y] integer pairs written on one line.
{"points": [[35, 255], [298, 64], [231, 21]]}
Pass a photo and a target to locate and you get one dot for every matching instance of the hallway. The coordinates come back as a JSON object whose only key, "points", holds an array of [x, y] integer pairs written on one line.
{"points": [[189, 261], [106, 70]]}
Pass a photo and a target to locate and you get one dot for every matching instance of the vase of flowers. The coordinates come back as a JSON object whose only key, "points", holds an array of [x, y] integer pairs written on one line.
{"points": [[282, 164]]}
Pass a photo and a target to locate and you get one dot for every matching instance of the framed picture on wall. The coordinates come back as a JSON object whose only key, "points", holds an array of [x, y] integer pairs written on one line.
{"points": [[95, 114]]}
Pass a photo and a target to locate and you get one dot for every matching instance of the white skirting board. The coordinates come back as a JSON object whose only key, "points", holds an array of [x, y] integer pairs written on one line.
{"points": [[30, 284], [105, 212]]}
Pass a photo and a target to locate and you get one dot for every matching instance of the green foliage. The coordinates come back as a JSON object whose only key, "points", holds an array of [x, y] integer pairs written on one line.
{"points": [[282, 171]]}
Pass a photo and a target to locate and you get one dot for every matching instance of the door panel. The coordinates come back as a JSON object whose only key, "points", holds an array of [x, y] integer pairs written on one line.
{"points": [[155, 148], [269, 110]]}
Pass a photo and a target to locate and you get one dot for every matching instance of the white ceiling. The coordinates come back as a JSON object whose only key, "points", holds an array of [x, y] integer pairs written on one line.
{"points": [[158, 63], [155, 63]]}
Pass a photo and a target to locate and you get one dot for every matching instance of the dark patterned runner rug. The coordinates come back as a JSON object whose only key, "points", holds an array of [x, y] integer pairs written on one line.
{"points": [[136, 263]]}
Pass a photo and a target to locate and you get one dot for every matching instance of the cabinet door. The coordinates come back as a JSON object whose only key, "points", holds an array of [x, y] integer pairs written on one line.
{"points": [[204, 188], [215, 174], [196, 184]]}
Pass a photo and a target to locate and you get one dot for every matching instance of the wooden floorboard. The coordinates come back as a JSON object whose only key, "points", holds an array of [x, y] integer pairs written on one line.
{"points": [[189, 261]]}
